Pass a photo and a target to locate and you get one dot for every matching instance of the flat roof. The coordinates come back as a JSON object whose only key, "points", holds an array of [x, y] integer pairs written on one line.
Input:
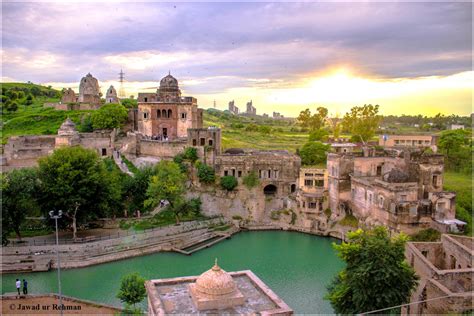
{"points": [[172, 296]]}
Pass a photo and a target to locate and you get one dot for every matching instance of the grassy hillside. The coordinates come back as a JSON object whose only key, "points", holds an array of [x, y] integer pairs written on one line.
{"points": [[462, 185], [255, 132], [33, 119]]}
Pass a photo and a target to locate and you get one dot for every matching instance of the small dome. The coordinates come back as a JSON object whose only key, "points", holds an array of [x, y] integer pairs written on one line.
{"points": [[396, 176], [215, 281], [234, 151]]}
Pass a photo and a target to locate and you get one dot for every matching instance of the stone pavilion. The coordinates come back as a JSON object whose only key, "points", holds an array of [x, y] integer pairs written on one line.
{"points": [[214, 292]]}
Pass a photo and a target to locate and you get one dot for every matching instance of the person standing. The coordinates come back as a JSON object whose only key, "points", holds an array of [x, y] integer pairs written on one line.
{"points": [[18, 285], [25, 287]]}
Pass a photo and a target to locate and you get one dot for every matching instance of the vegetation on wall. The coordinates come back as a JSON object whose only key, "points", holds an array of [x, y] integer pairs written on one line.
{"points": [[251, 180], [206, 174], [228, 183]]}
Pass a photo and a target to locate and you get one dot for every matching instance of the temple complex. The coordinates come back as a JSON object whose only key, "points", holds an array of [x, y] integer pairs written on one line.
{"points": [[214, 292]]}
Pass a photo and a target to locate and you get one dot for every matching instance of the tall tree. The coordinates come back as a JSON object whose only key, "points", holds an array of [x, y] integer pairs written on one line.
{"points": [[315, 121], [167, 184], [362, 122], [19, 191], [376, 275], [74, 180]]}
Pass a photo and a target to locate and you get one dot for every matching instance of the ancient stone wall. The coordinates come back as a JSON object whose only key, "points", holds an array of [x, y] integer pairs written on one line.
{"points": [[161, 149]]}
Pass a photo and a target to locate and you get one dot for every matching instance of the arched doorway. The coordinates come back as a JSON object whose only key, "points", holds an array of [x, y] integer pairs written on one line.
{"points": [[270, 190]]}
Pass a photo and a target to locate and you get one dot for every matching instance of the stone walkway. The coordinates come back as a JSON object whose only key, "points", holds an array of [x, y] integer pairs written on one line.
{"points": [[121, 164]]}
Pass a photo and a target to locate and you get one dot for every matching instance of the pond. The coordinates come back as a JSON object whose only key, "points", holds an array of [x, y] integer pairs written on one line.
{"points": [[296, 266]]}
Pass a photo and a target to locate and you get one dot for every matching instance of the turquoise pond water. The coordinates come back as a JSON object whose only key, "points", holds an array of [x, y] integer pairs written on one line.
{"points": [[296, 266]]}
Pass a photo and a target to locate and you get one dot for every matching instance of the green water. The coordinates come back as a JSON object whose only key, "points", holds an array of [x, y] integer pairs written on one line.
{"points": [[296, 266]]}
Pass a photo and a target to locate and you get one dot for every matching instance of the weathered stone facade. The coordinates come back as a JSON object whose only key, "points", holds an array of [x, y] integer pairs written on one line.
{"points": [[399, 189], [251, 110], [24, 151], [69, 96], [89, 91], [111, 95], [445, 271], [165, 115]]}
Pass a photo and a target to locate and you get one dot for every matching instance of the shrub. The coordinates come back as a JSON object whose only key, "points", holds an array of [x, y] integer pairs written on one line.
{"points": [[237, 217], [228, 183], [319, 135], [251, 128], [349, 220], [265, 129], [132, 289], [293, 218], [206, 173], [429, 234], [190, 154], [251, 180], [328, 212]]}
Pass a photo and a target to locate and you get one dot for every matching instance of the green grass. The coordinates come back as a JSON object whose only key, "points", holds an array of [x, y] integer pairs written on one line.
{"points": [[461, 184], [36, 119], [129, 164], [31, 233]]}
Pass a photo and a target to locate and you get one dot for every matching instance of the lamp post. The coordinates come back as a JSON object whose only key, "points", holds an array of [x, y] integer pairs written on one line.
{"points": [[56, 215]]}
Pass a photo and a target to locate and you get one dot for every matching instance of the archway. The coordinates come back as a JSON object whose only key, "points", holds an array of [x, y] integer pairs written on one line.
{"points": [[270, 189]]}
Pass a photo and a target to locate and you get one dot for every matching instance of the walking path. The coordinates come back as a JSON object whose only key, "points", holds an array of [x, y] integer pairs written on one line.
{"points": [[121, 164]]}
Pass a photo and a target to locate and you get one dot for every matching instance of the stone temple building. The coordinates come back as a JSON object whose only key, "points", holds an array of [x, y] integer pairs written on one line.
{"points": [[166, 114], [251, 110], [445, 271], [232, 108], [400, 189], [214, 292], [111, 95], [89, 91]]}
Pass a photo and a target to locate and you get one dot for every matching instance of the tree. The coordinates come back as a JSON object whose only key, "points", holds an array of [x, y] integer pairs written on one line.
{"points": [[132, 289], [206, 174], [109, 116], [134, 192], [228, 183], [362, 122], [313, 153], [376, 274], [457, 147], [319, 135], [19, 189], [315, 121], [74, 180], [167, 183], [250, 180]]}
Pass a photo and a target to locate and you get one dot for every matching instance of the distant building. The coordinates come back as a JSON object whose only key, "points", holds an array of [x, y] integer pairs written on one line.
{"points": [[408, 140], [277, 115], [232, 108], [87, 99], [456, 126], [214, 292], [265, 115], [446, 274], [251, 110]]}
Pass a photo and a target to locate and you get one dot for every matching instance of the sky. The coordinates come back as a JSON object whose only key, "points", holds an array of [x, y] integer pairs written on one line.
{"points": [[410, 58]]}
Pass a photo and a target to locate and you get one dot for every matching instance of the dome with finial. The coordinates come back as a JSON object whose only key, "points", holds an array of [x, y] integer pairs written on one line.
{"points": [[215, 281], [67, 128], [169, 82]]}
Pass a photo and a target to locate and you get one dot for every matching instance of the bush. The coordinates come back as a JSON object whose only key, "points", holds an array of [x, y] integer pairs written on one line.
{"points": [[265, 129], [319, 135], [179, 159], [251, 128], [237, 217], [132, 289], [251, 180], [429, 234], [349, 220], [190, 154], [229, 183], [206, 173]]}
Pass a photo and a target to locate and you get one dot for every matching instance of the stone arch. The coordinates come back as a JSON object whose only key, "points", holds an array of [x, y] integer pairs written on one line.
{"points": [[158, 113], [163, 113], [169, 113], [270, 189], [293, 188]]}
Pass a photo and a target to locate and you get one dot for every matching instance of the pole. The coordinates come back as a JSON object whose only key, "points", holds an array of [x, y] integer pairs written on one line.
{"points": [[59, 267]]}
